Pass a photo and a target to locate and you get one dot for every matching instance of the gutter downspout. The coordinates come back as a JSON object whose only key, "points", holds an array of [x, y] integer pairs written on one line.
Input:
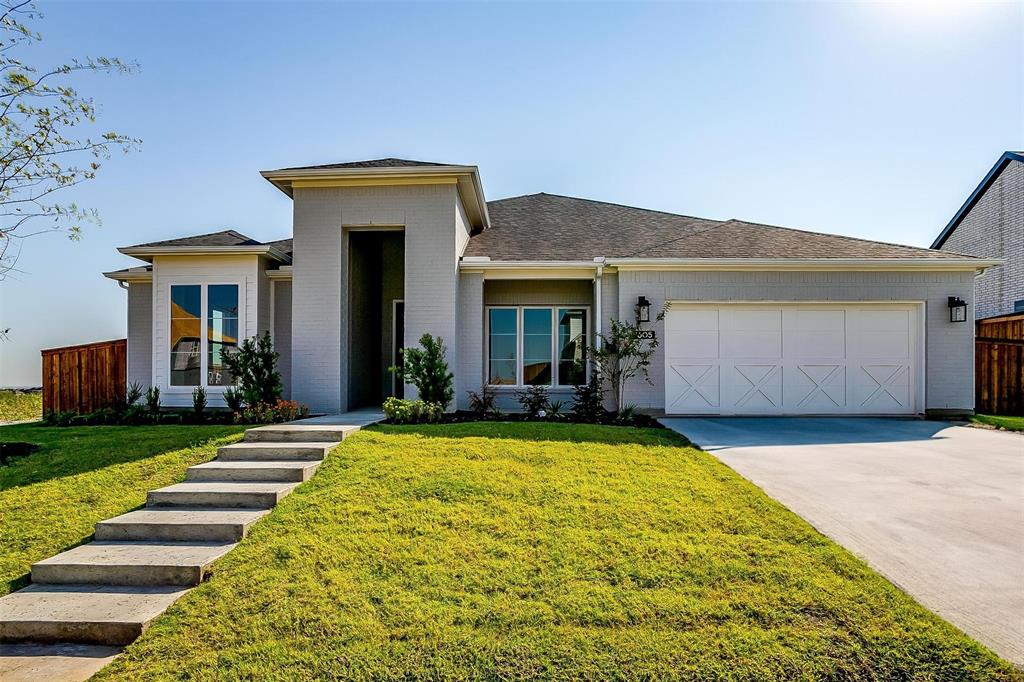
{"points": [[598, 272]]}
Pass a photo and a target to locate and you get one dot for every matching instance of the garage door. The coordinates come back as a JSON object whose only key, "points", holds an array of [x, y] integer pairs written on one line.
{"points": [[792, 359]]}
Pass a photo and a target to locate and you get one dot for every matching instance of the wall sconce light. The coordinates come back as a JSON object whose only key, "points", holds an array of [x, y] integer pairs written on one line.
{"points": [[643, 309], [957, 309]]}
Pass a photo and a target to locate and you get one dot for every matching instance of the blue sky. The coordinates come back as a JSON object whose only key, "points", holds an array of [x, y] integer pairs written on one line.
{"points": [[873, 120]]}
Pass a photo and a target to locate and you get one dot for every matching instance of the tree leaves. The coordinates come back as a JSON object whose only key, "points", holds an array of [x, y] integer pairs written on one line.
{"points": [[45, 140]]}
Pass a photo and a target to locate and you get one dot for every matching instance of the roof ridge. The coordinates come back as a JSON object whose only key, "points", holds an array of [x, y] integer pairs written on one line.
{"points": [[606, 203]]}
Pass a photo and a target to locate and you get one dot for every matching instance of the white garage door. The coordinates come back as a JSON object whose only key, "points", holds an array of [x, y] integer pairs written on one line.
{"points": [[792, 359]]}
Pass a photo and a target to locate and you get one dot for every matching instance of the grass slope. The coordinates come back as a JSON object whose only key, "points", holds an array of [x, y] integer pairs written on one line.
{"points": [[52, 499], [18, 406], [1001, 422], [527, 551]]}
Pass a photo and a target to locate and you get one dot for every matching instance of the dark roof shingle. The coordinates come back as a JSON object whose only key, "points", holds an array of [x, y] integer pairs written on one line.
{"points": [[553, 227], [222, 238], [372, 163]]}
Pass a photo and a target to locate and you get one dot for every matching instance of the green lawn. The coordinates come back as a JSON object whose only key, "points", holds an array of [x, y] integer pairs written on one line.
{"points": [[52, 499], [523, 551], [1008, 423], [17, 406]]}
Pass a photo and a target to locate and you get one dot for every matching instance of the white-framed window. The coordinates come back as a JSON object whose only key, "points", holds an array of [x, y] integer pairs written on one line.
{"points": [[537, 345], [204, 319]]}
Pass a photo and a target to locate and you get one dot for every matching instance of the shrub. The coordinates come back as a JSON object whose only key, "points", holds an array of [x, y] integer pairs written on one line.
{"points": [[153, 399], [136, 414], [133, 394], [534, 400], [621, 355], [426, 369], [59, 418], [483, 403], [254, 368], [400, 411], [273, 413], [233, 398], [198, 401], [627, 415], [588, 401], [555, 409]]}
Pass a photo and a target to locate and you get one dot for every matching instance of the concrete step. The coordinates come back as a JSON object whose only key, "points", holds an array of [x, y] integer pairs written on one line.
{"points": [[57, 661], [294, 471], [300, 451], [87, 614], [180, 525], [222, 494], [299, 433], [130, 563]]}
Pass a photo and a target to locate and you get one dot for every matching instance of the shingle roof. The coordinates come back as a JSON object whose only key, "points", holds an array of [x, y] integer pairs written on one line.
{"points": [[222, 238], [553, 227], [373, 163]]}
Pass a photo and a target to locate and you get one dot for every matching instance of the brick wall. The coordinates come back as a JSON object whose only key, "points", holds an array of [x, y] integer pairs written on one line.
{"points": [[994, 227]]}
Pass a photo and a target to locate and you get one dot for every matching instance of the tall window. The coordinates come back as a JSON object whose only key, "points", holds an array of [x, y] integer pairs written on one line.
{"points": [[191, 349], [221, 331], [572, 346], [503, 324], [536, 346], [186, 341]]}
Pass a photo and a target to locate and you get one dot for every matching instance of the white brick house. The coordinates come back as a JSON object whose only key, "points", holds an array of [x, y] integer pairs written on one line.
{"points": [[758, 319], [991, 224]]}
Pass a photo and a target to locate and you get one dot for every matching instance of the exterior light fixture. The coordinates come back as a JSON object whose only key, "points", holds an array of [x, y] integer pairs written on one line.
{"points": [[643, 309], [957, 309]]}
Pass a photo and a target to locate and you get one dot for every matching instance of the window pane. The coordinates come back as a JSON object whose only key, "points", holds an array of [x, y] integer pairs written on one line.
{"points": [[502, 324], [185, 336], [572, 346], [537, 362], [221, 330]]}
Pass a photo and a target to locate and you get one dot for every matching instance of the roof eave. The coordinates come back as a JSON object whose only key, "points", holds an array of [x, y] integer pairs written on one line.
{"points": [[975, 196], [933, 264], [141, 275], [147, 253], [483, 264]]}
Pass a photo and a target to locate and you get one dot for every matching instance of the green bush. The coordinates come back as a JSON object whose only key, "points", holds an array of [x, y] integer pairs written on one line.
{"points": [[153, 399], [254, 368], [534, 400], [198, 402], [400, 411], [483, 402], [234, 399], [426, 369], [588, 401]]}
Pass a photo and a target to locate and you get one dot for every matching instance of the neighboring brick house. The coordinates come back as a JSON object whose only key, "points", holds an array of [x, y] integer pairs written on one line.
{"points": [[758, 319], [991, 224]]}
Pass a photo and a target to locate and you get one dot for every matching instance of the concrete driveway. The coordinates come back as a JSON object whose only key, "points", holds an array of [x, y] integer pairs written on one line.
{"points": [[938, 509]]}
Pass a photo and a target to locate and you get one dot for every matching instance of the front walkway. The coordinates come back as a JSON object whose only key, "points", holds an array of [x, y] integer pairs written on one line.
{"points": [[938, 509], [86, 603]]}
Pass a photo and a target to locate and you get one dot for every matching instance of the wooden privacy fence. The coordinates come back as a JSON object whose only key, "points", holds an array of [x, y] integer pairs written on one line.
{"points": [[84, 378], [999, 365]]}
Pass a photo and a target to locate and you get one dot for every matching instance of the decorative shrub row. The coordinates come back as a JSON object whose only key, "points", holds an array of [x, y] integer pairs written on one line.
{"points": [[256, 399]]}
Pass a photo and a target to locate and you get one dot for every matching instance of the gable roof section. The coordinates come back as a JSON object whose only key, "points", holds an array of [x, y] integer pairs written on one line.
{"points": [[222, 238], [372, 163], [976, 195], [224, 241], [551, 227]]}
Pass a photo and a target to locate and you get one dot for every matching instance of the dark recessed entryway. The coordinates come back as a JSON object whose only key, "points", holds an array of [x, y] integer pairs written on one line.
{"points": [[376, 285]]}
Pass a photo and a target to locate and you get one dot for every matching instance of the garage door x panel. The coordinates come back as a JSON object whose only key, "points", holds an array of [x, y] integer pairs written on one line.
{"points": [[790, 359]]}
